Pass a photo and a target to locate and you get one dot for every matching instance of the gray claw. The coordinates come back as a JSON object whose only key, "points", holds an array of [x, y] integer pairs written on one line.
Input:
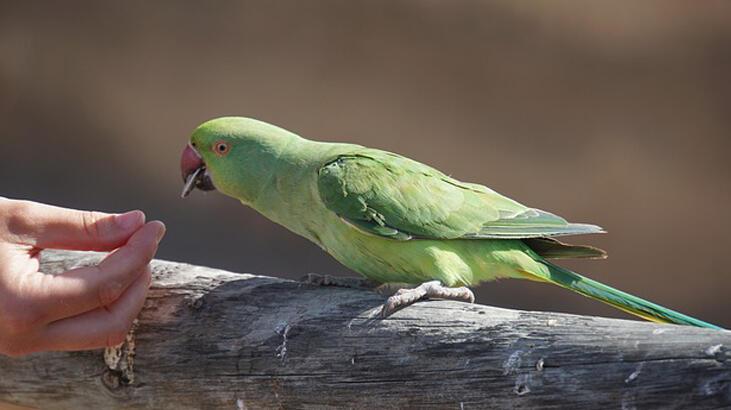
{"points": [[434, 289]]}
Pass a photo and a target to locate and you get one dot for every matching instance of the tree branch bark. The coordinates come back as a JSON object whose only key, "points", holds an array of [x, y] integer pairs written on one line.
{"points": [[214, 339]]}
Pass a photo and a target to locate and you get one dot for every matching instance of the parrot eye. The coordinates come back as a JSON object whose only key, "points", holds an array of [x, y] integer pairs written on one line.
{"points": [[221, 148]]}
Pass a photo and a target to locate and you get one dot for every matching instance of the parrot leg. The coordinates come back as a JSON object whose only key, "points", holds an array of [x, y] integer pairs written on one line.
{"points": [[342, 282], [434, 289]]}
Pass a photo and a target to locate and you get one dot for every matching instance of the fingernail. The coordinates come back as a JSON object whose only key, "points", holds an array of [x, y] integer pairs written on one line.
{"points": [[161, 231], [130, 219]]}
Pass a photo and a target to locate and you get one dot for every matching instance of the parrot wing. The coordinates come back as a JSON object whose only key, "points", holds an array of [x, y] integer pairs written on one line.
{"points": [[392, 196]]}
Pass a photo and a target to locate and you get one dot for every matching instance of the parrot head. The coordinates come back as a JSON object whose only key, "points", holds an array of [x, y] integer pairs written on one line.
{"points": [[233, 155]]}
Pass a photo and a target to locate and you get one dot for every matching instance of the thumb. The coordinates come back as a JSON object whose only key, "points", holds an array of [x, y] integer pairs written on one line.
{"points": [[46, 226]]}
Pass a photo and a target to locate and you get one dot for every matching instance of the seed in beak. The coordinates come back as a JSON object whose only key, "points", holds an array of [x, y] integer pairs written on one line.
{"points": [[190, 182]]}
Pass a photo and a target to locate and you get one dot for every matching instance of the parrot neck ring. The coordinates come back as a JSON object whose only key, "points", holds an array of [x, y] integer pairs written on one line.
{"points": [[194, 172]]}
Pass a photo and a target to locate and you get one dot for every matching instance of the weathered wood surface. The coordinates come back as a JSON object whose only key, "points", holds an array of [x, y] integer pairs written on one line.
{"points": [[214, 339]]}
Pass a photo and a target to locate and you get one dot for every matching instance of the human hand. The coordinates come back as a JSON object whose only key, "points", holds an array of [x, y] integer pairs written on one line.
{"points": [[83, 308]]}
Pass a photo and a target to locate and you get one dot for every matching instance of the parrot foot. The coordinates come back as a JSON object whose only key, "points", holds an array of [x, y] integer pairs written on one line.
{"points": [[434, 289], [342, 282]]}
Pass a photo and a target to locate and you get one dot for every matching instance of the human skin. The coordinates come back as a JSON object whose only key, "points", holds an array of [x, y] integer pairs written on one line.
{"points": [[84, 308]]}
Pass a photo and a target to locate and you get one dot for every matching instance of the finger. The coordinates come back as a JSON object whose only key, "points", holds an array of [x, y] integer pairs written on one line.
{"points": [[84, 289], [45, 226], [100, 327]]}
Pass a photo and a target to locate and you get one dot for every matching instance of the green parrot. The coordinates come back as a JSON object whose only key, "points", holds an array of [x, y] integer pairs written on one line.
{"points": [[392, 219]]}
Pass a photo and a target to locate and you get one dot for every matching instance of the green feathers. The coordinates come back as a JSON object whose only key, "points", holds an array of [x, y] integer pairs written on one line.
{"points": [[550, 248], [375, 189], [396, 220], [621, 300]]}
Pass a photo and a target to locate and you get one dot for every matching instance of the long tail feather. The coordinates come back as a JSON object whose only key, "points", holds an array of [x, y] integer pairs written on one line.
{"points": [[621, 300]]}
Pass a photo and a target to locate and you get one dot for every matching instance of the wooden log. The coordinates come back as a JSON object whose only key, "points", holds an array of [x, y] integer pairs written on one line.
{"points": [[214, 339]]}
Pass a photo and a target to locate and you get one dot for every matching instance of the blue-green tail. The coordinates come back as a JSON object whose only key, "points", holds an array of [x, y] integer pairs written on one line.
{"points": [[621, 300]]}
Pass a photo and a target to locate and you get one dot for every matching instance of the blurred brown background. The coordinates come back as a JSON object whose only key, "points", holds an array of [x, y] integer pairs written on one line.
{"points": [[615, 113]]}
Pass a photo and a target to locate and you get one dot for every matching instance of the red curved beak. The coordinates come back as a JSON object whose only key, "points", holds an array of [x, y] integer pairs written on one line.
{"points": [[194, 173], [190, 162]]}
